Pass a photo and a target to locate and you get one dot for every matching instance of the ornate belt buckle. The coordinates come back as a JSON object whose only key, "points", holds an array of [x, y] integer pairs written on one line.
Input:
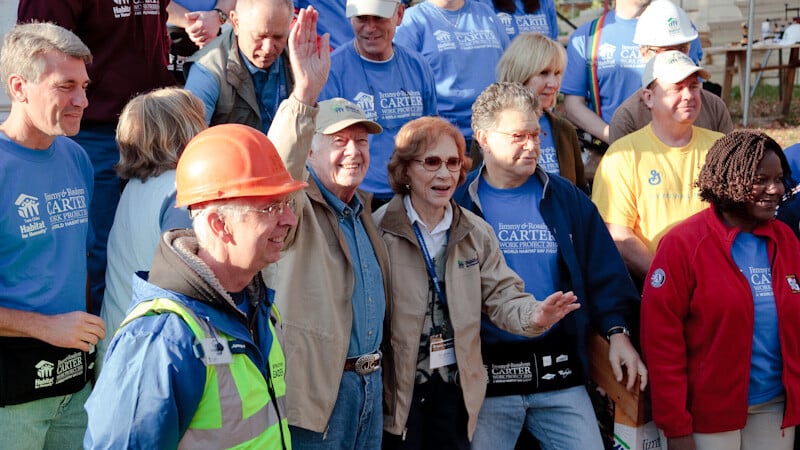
{"points": [[366, 364]]}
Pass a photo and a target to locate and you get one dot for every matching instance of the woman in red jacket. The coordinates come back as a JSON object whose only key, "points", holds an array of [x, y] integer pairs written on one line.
{"points": [[721, 309]]}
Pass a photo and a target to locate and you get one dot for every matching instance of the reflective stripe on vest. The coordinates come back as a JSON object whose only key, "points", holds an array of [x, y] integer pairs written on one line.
{"points": [[235, 410]]}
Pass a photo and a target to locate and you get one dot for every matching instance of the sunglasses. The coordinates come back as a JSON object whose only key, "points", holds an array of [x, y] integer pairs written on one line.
{"points": [[433, 163]]}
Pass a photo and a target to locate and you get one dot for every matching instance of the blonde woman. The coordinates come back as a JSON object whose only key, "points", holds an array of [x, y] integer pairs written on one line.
{"points": [[538, 63], [153, 129]]}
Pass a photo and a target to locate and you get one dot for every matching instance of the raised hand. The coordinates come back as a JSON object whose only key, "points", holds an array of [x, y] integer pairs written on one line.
{"points": [[311, 60]]}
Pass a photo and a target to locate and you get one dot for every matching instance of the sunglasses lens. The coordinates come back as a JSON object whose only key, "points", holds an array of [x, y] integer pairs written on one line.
{"points": [[433, 163], [453, 164]]}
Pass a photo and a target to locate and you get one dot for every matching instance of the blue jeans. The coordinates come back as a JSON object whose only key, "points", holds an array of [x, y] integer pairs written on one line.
{"points": [[100, 144], [357, 418], [562, 419], [56, 423]]}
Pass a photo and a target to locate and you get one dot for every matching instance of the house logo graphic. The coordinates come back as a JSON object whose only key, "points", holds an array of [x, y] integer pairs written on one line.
{"points": [[44, 373], [28, 210], [27, 206], [365, 101]]}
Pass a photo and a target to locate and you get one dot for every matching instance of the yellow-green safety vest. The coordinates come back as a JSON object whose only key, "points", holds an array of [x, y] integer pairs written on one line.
{"points": [[236, 410]]}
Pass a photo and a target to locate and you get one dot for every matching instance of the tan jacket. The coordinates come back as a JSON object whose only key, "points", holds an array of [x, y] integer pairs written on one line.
{"points": [[477, 280], [313, 281]]}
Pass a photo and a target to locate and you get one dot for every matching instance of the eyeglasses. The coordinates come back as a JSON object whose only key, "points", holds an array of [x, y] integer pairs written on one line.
{"points": [[433, 163], [275, 209], [683, 48], [521, 138]]}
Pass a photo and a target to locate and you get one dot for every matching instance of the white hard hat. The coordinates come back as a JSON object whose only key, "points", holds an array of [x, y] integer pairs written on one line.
{"points": [[664, 23], [791, 35]]}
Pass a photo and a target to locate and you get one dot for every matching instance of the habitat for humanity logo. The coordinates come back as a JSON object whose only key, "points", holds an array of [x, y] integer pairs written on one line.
{"points": [[65, 369], [122, 8], [28, 209], [367, 103], [673, 25], [444, 40], [44, 372]]}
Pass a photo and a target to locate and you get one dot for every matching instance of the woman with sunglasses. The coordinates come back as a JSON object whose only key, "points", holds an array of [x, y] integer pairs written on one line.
{"points": [[720, 308], [446, 270]]}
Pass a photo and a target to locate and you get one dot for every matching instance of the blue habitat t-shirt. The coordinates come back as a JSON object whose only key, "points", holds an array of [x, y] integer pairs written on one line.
{"points": [[526, 242], [543, 21], [462, 47], [391, 93], [44, 226], [750, 254]]}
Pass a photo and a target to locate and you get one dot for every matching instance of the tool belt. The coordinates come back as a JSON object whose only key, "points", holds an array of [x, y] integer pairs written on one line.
{"points": [[516, 368], [31, 369]]}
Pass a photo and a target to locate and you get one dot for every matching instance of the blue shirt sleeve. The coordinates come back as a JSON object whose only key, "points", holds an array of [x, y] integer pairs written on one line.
{"points": [[204, 85]]}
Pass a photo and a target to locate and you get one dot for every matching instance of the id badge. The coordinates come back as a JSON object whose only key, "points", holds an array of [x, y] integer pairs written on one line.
{"points": [[216, 351], [442, 351]]}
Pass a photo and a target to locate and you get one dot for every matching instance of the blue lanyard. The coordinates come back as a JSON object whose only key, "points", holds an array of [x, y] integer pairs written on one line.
{"points": [[429, 263]]}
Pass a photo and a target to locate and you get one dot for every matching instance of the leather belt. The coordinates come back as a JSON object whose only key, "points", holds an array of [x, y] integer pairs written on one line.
{"points": [[364, 364]]}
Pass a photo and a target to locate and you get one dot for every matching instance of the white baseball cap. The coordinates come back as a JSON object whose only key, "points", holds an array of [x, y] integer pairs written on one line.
{"points": [[380, 8], [672, 67]]}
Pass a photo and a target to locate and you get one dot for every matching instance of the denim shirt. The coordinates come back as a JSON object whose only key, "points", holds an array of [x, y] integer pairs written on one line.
{"points": [[368, 300], [271, 88]]}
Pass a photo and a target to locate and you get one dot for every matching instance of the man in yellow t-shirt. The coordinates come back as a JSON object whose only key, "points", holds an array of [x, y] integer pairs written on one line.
{"points": [[645, 182]]}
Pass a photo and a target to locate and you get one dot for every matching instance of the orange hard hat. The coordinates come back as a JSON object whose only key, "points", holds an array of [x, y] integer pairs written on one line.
{"points": [[229, 161]]}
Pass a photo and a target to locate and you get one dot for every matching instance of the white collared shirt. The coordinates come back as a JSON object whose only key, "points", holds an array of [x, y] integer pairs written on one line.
{"points": [[436, 238]]}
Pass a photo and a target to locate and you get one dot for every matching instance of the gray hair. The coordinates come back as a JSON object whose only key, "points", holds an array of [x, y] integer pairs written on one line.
{"points": [[25, 45], [499, 97], [227, 208]]}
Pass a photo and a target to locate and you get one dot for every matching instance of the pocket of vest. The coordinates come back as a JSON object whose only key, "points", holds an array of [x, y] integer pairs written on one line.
{"points": [[31, 370]]}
